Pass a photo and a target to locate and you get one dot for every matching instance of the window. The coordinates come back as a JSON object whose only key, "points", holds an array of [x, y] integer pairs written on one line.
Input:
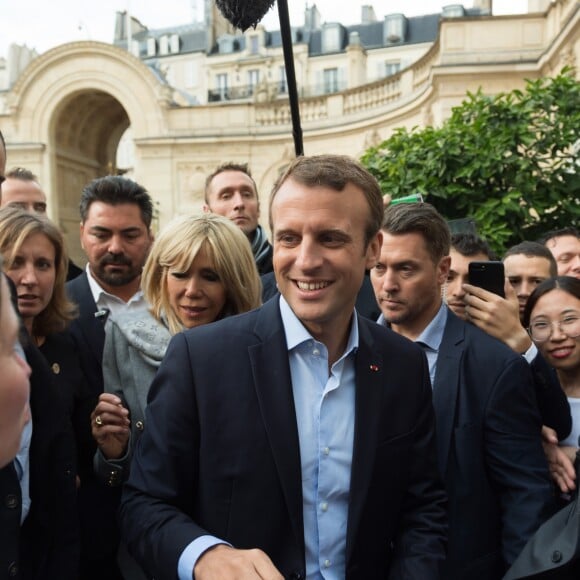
{"points": [[151, 47], [222, 86], [453, 11], [253, 79], [226, 44], [163, 45], [254, 44], [135, 48], [330, 76], [331, 36], [282, 83], [392, 67], [174, 45], [395, 28]]}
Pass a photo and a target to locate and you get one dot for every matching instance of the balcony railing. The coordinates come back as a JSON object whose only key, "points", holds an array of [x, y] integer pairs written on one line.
{"points": [[271, 90]]}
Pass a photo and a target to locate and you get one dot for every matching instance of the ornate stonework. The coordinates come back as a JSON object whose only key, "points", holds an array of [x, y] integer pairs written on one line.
{"points": [[66, 114]]}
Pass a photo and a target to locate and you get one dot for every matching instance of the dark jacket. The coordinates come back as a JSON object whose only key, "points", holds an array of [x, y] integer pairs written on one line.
{"points": [[490, 452], [47, 544], [220, 454]]}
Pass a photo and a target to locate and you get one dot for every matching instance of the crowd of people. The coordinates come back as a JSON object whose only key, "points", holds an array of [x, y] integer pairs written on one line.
{"points": [[341, 403]]}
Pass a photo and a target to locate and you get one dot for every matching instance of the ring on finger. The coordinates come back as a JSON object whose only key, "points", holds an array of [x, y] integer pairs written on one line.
{"points": [[98, 420]]}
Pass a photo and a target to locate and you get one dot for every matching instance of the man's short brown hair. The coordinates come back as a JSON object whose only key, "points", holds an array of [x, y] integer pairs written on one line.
{"points": [[335, 172], [229, 166]]}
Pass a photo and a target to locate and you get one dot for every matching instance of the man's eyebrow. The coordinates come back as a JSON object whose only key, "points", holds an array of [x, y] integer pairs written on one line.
{"points": [[284, 231]]}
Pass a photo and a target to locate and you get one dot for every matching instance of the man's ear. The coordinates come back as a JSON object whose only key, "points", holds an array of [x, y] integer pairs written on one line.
{"points": [[206, 208], [443, 269], [81, 230], [373, 250]]}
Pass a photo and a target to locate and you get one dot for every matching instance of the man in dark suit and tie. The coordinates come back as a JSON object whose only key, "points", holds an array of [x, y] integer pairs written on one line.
{"points": [[297, 440], [488, 426], [116, 216]]}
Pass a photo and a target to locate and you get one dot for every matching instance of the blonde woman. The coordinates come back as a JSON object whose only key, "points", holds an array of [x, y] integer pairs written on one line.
{"points": [[200, 269]]}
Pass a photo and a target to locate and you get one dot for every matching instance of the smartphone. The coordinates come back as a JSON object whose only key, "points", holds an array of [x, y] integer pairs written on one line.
{"points": [[488, 275]]}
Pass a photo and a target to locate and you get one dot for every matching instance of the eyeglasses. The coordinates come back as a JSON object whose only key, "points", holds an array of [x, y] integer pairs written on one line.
{"points": [[542, 330]]}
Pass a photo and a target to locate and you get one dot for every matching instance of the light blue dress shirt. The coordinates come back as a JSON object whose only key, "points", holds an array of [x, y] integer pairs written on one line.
{"points": [[324, 403], [22, 460], [430, 339]]}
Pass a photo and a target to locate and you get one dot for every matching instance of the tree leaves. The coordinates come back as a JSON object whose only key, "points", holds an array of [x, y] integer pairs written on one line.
{"points": [[510, 161]]}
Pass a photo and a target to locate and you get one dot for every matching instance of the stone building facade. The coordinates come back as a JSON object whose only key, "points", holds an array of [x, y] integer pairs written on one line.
{"points": [[67, 112]]}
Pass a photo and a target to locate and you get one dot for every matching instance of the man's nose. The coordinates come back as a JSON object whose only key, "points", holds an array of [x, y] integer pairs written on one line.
{"points": [[309, 256], [238, 200], [390, 281], [115, 245]]}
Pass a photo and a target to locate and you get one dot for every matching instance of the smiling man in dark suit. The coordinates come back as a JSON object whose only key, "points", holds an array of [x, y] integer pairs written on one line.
{"points": [[295, 441], [488, 426]]}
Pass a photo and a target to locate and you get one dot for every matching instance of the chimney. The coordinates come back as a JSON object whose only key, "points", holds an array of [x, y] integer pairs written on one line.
{"points": [[368, 14], [311, 17], [484, 6]]}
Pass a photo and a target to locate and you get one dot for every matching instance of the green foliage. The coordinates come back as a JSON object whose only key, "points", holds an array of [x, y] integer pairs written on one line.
{"points": [[510, 161]]}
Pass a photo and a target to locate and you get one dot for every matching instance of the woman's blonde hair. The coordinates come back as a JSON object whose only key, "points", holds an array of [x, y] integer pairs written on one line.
{"points": [[16, 226], [176, 248]]}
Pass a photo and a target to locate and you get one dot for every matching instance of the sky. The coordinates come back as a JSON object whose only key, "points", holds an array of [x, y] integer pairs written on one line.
{"points": [[43, 25]]}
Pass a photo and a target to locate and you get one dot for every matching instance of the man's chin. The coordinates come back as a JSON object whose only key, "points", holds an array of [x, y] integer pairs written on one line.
{"points": [[117, 280]]}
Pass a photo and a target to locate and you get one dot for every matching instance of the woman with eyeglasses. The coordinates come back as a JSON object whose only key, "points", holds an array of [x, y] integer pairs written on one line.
{"points": [[552, 315]]}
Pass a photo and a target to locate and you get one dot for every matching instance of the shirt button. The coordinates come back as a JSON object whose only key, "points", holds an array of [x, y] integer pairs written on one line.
{"points": [[139, 425], [327, 563], [315, 352], [326, 451], [55, 368], [323, 506]]}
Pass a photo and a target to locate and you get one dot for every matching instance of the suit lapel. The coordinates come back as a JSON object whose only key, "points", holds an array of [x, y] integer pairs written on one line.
{"points": [[446, 386], [273, 385], [370, 376], [92, 328]]}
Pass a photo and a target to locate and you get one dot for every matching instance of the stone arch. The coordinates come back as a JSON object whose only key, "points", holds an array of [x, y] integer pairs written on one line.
{"points": [[74, 103]]}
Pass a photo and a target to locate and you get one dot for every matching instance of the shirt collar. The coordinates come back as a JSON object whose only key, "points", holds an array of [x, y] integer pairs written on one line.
{"points": [[432, 335], [297, 334], [98, 292]]}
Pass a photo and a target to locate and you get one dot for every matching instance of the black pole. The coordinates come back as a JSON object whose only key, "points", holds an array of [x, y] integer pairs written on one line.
{"points": [[286, 34]]}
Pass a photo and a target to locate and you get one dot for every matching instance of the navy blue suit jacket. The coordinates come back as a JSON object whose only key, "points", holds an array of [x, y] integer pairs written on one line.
{"points": [[97, 503], [220, 454], [46, 546], [88, 332], [490, 452]]}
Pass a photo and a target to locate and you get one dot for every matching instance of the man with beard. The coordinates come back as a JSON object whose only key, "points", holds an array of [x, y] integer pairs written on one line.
{"points": [[116, 216]]}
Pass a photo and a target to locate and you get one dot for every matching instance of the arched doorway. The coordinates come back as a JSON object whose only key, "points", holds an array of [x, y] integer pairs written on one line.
{"points": [[86, 131], [67, 115]]}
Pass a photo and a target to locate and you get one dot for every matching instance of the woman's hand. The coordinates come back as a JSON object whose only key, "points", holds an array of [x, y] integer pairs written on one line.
{"points": [[110, 426]]}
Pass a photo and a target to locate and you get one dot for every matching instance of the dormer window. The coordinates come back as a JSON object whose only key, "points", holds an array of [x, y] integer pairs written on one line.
{"points": [[226, 44], [254, 44], [395, 28], [331, 37], [134, 49], [174, 44], [164, 45], [453, 11]]}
